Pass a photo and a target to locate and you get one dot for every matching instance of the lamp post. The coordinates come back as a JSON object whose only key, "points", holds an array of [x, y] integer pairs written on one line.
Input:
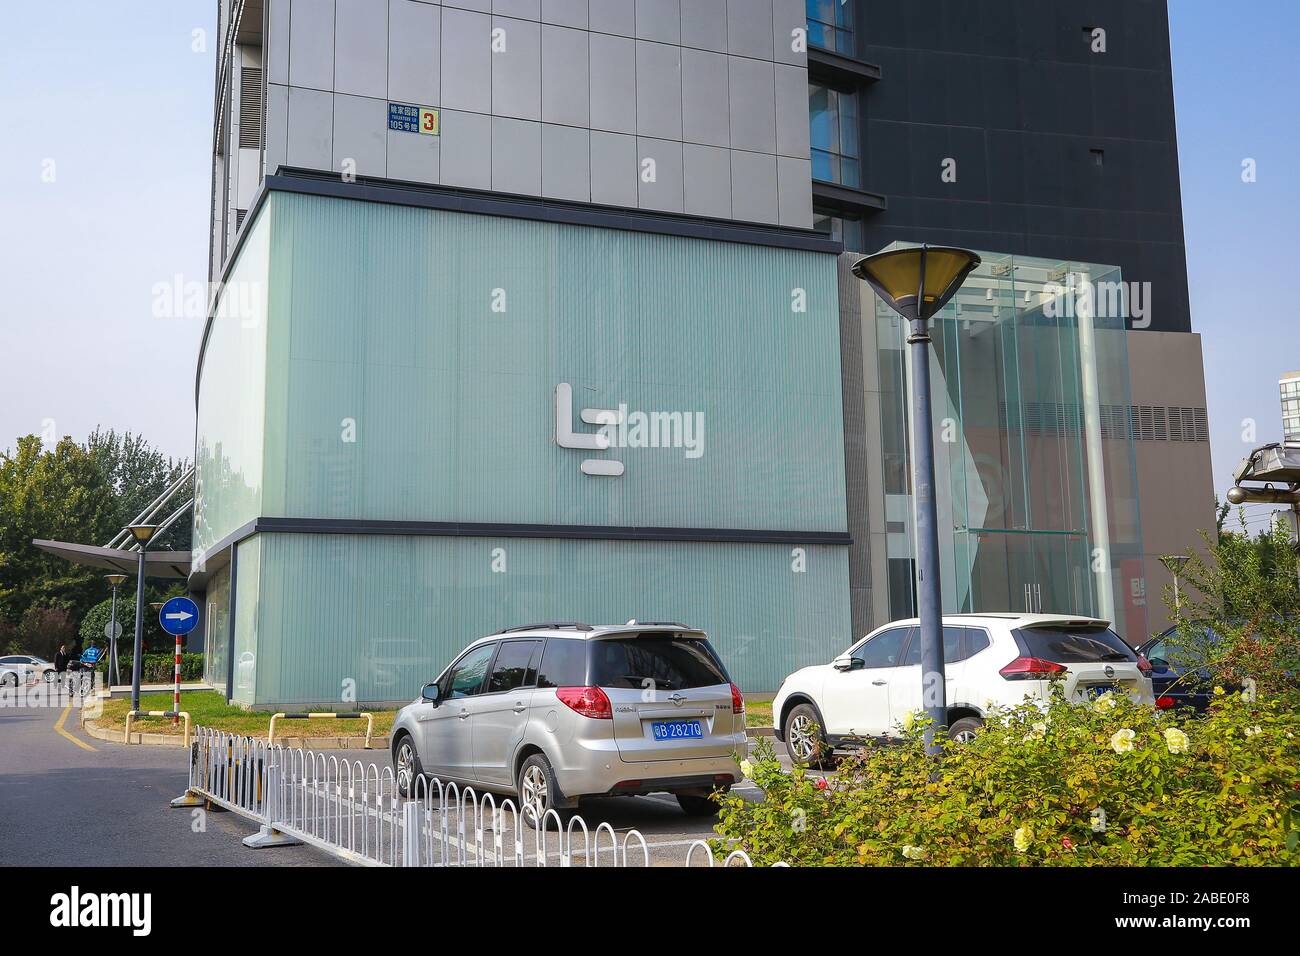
{"points": [[115, 581], [142, 533], [916, 283], [1174, 564]]}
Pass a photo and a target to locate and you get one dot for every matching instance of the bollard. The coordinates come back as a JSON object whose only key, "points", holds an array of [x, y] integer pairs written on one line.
{"points": [[325, 715], [174, 714]]}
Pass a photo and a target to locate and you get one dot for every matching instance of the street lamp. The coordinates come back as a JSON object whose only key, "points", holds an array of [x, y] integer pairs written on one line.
{"points": [[916, 283], [142, 533], [115, 581], [1174, 564]]}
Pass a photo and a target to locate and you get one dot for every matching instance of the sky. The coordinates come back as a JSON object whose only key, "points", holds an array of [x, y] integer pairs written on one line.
{"points": [[105, 135]]}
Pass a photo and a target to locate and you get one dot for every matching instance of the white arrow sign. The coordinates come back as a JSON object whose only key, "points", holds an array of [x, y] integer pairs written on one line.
{"points": [[178, 615]]}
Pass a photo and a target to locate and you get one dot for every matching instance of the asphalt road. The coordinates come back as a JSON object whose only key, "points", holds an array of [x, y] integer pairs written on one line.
{"points": [[71, 800], [84, 802]]}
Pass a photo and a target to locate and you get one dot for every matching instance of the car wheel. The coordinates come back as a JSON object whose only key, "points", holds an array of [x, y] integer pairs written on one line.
{"points": [[537, 791], [51, 677], [697, 806], [9, 680], [804, 741], [406, 765], [965, 730]]}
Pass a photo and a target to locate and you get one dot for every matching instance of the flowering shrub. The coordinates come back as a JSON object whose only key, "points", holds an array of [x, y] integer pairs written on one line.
{"points": [[1052, 784]]}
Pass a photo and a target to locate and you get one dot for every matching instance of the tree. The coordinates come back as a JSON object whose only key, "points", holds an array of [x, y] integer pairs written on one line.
{"points": [[138, 474], [1245, 590], [60, 494], [71, 492]]}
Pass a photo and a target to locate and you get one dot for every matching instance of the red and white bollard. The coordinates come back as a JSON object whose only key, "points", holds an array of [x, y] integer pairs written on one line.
{"points": [[176, 690]]}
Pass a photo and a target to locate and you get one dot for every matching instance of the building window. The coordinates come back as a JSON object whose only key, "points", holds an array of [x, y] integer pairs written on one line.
{"points": [[833, 124], [841, 226], [830, 25]]}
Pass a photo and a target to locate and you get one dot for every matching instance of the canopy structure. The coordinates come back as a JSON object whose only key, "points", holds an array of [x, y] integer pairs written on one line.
{"points": [[157, 564], [122, 554]]}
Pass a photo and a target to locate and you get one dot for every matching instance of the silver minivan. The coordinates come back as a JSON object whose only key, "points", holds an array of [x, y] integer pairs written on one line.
{"points": [[552, 713]]}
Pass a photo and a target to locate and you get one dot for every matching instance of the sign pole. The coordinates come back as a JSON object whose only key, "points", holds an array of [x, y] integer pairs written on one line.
{"points": [[178, 617], [116, 678], [176, 688]]}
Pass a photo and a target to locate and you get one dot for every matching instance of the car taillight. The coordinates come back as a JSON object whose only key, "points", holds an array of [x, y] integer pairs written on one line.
{"points": [[1032, 668], [737, 700], [1144, 665], [588, 701], [1165, 703]]}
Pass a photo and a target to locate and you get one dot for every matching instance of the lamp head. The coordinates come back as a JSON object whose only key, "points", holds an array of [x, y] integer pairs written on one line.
{"points": [[142, 532], [115, 580], [917, 282], [1173, 562]]}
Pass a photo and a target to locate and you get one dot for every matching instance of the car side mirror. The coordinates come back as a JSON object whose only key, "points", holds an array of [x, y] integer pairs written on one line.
{"points": [[430, 693], [847, 663]]}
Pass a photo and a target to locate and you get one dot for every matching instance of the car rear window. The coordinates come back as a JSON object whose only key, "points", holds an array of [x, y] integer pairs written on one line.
{"points": [[564, 663], [1074, 645], [664, 663]]}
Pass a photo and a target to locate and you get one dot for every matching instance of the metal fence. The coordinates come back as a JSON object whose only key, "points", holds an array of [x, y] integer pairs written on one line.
{"points": [[354, 812]]}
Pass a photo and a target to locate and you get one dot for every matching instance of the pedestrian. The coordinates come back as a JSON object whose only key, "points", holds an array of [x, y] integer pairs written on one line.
{"points": [[64, 663]]}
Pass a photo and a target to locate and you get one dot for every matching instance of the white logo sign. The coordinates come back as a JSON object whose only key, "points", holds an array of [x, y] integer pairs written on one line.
{"points": [[621, 428]]}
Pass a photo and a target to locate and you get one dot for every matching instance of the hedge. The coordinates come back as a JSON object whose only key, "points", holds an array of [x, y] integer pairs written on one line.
{"points": [[159, 668]]}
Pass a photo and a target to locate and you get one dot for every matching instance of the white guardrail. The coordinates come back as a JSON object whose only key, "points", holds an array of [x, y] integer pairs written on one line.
{"points": [[353, 811]]}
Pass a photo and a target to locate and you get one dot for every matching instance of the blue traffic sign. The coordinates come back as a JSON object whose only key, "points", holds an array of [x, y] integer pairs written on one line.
{"points": [[179, 615]]}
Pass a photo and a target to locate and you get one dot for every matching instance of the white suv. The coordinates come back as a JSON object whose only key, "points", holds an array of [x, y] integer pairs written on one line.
{"points": [[988, 659]]}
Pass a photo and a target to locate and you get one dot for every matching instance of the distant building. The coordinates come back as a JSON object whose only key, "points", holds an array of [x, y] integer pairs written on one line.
{"points": [[1288, 387]]}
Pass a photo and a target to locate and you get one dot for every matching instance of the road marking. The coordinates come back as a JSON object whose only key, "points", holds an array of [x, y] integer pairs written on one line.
{"points": [[58, 729]]}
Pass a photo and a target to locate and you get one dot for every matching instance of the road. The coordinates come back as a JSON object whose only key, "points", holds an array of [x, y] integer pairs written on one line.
{"points": [[69, 799]]}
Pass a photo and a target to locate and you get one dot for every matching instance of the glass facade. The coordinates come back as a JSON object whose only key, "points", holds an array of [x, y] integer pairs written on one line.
{"points": [[835, 141], [830, 25], [405, 369], [1032, 445], [1289, 389], [840, 226]]}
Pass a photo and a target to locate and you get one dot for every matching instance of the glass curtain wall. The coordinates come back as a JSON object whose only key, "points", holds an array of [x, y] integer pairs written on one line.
{"points": [[1033, 448]]}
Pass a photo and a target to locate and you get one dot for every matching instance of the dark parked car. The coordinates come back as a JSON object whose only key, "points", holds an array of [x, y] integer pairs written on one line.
{"points": [[1176, 678]]}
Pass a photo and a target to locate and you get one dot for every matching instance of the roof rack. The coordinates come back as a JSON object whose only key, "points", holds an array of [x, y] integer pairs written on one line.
{"points": [[636, 623], [548, 626]]}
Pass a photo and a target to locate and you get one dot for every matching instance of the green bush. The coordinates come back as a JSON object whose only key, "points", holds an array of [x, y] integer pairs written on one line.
{"points": [[92, 625], [158, 668], [1110, 783]]}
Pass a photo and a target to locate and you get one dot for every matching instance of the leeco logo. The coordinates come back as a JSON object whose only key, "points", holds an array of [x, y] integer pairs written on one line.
{"points": [[620, 428], [103, 909], [566, 437]]}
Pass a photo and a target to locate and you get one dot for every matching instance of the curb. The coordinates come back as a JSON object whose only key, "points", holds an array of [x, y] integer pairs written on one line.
{"points": [[759, 732], [138, 737], [377, 743]]}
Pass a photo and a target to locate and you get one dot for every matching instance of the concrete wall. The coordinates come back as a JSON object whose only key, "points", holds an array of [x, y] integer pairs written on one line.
{"points": [[562, 99], [1175, 478]]}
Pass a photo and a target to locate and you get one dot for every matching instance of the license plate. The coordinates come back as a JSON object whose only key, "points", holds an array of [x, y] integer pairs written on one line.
{"points": [[1093, 691], [676, 729]]}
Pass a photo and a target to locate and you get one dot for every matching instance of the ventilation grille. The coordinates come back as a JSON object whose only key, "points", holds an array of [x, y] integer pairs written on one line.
{"points": [[250, 107], [1138, 422], [239, 218]]}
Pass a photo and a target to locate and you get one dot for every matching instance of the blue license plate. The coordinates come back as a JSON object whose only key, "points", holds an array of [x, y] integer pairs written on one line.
{"points": [[676, 729], [1093, 691]]}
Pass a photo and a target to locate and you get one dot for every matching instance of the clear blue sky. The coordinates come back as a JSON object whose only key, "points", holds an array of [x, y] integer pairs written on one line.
{"points": [[123, 106]]}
